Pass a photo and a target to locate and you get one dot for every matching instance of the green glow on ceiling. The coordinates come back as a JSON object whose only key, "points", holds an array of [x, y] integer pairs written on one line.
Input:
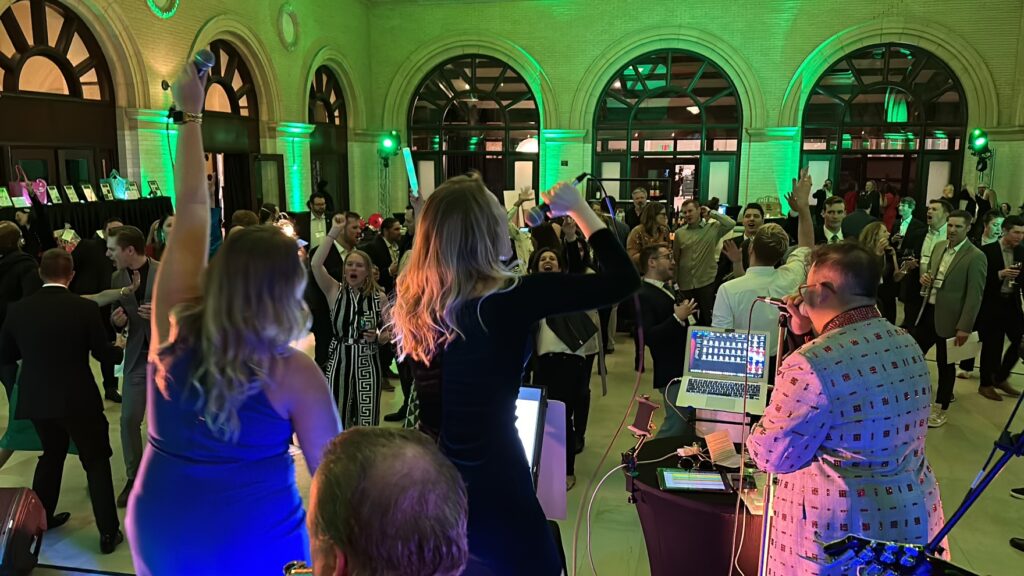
{"points": [[165, 12]]}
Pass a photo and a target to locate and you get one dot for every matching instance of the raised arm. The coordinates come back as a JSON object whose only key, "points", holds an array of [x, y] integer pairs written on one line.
{"points": [[799, 200], [328, 285], [726, 224], [184, 260]]}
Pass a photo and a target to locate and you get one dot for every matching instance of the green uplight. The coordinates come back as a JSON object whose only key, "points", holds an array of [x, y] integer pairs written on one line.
{"points": [[166, 11]]}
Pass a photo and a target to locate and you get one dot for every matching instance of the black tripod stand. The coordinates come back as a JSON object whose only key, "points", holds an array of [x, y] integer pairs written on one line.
{"points": [[1011, 445]]}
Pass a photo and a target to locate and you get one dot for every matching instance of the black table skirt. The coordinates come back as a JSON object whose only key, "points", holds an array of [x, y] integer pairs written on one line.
{"points": [[87, 218], [689, 532]]}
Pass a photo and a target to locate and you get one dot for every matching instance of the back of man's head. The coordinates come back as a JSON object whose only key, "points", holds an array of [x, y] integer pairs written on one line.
{"points": [[56, 266], [769, 244], [386, 502], [10, 237], [855, 272]]}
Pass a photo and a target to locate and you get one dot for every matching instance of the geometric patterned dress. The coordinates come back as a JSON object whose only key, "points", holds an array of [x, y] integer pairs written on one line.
{"points": [[353, 366], [845, 434]]}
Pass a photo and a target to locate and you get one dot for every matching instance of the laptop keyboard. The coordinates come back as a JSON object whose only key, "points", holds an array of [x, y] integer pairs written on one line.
{"points": [[723, 388]]}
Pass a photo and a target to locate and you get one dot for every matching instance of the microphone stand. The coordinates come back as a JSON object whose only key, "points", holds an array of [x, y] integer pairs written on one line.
{"points": [[769, 488]]}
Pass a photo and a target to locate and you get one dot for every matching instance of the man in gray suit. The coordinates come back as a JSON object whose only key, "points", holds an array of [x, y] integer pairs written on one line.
{"points": [[126, 247], [952, 288]]}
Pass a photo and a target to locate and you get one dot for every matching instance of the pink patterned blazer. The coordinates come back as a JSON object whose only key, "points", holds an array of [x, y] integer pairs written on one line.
{"points": [[845, 433]]}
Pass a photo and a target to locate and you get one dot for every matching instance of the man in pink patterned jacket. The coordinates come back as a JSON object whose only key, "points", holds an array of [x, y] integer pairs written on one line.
{"points": [[846, 426]]}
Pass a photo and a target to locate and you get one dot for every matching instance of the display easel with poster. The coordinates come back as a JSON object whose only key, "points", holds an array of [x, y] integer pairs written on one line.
{"points": [[108, 194], [154, 188], [90, 194], [133, 191], [72, 195], [5, 198], [54, 195]]}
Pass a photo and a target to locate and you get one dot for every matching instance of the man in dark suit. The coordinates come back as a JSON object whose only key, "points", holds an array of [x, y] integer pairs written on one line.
{"points": [[1001, 315], [53, 332], [92, 276], [385, 251], [632, 214], [313, 228], [19, 278], [854, 223], [831, 230], [126, 248], [953, 282], [664, 324]]}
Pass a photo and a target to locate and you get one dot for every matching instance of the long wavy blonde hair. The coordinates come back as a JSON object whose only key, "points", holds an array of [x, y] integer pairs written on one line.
{"points": [[460, 239], [252, 307]]}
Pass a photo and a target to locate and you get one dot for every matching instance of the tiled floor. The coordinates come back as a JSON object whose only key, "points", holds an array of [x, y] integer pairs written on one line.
{"points": [[956, 451]]}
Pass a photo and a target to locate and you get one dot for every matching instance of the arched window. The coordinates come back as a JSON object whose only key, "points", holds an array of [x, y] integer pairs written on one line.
{"points": [[46, 48], [475, 113], [59, 120], [891, 113], [328, 146], [669, 121], [229, 87]]}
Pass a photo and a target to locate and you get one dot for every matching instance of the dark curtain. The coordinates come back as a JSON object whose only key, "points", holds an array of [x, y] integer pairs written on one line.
{"points": [[237, 185]]}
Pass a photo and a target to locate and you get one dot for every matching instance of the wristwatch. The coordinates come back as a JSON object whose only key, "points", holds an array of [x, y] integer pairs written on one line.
{"points": [[179, 117]]}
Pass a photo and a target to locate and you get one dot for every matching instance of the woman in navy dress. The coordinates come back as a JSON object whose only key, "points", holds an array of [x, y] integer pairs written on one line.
{"points": [[467, 323], [216, 490]]}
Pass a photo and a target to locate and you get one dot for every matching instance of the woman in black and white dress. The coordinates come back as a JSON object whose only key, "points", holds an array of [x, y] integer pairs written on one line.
{"points": [[357, 306]]}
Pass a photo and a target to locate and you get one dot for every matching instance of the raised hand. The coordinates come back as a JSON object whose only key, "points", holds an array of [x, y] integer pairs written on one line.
{"points": [[563, 199], [732, 251], [799, 197], [685, 309]]}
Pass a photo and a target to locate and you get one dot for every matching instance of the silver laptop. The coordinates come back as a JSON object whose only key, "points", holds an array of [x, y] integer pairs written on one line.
{"points": [[716, 362]]}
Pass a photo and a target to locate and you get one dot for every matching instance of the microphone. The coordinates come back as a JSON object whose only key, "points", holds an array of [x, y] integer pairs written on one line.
{"points": [[537, 215], [777, 302], [204, 61]]}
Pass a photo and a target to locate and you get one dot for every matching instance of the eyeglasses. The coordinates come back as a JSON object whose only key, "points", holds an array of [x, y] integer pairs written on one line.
{"points": [[802, 289]]}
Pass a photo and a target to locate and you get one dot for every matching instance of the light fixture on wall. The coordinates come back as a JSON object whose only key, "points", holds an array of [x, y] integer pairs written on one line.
{"points": [[163, 9], [693, 110], [528, 145]]}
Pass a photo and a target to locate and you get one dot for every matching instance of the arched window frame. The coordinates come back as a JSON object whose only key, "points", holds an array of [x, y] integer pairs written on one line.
{"points": [[36, 43], [440, 140], [835, 133], [326, 90], [648, 77], [231, 64]]}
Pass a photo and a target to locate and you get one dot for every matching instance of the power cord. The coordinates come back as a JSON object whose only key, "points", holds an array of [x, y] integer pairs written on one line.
{"points": [[629, 409]]}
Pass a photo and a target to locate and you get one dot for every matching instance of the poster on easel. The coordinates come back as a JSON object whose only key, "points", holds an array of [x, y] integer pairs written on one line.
{"points": [[18, 201], [72, 195], [133, 191], [154, 188], [90, 194], [108, 194], [54, 195], [5, 198]]}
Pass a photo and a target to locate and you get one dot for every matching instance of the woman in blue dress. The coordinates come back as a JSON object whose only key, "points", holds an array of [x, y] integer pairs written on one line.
{"points": [[216, 491]]}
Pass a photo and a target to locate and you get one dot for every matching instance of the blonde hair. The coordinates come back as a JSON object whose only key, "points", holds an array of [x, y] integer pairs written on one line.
{"points": [[869, 237], [251, 308], [370, 286], [457, 251]]}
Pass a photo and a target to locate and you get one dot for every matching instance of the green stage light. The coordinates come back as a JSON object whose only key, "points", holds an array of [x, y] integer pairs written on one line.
{"points": [[979, 141], [389, 144]]}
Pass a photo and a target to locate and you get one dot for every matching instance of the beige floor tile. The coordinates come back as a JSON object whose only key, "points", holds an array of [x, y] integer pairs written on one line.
{"points": [[956, 451]]}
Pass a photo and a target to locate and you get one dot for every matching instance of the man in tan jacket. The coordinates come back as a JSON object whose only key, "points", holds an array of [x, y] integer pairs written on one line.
{"points": [[952, 288]]}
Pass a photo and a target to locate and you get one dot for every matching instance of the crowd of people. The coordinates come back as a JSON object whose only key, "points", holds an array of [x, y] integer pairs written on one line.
{"points": [[467, 308]]}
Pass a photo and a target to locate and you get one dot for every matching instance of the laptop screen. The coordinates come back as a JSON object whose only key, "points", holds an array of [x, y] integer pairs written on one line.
{"points": [[529, 422], [714, 353]]}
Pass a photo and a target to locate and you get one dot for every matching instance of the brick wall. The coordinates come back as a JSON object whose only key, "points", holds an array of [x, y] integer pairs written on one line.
{"points": [[567, 50]]}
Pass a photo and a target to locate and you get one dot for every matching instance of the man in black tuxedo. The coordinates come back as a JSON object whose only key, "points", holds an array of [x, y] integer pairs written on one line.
{"points": [[53, 332], [92, 275], [664, 324], [854, 223], [1001, 315]]}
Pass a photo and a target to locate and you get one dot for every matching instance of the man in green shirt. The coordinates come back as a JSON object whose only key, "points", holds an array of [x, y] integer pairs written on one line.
{"points": [[696, 252]]}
